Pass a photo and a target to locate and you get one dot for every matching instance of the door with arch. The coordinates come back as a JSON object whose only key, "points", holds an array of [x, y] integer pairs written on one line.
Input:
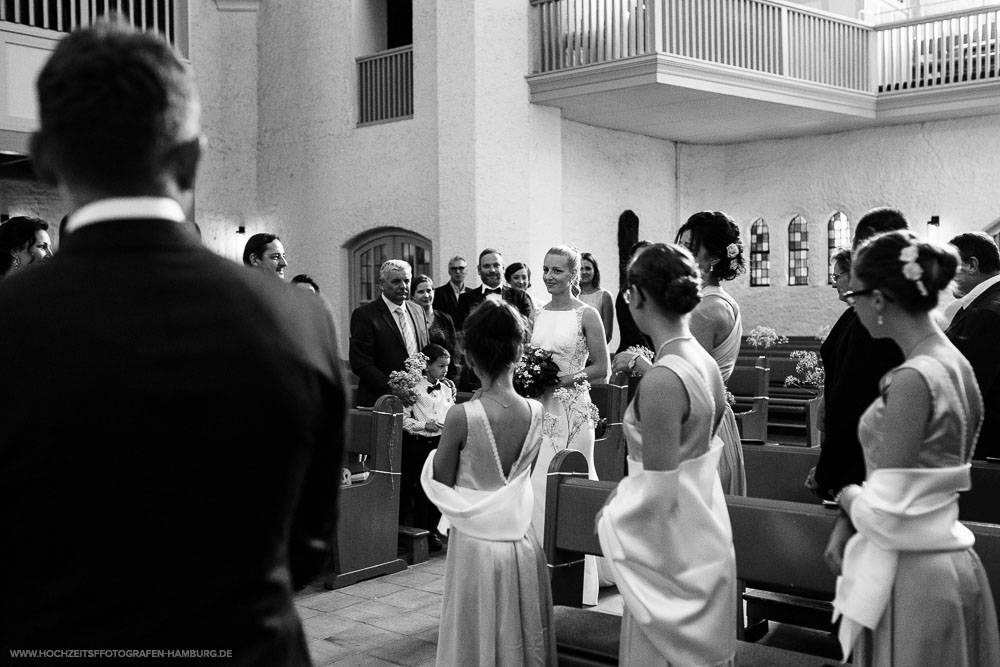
{"points": [[370, 251]]}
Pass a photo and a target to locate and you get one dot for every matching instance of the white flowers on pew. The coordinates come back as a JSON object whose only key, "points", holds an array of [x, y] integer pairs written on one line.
{"points": [[402, 383], [764, 337], [580, 411], [810, 368]]}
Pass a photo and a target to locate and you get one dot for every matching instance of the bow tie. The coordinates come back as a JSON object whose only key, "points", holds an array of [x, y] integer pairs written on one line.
{"points": [[495, 290], [433, 387]]}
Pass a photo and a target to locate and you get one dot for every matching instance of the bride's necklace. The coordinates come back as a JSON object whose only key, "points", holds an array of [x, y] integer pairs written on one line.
{"points": [[502, 405], [668, 341]]}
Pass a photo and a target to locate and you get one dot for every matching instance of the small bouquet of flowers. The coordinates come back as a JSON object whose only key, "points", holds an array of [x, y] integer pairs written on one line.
{"points": [[764, 337], [580, 411], [639, 351], [402, 383], [535, 372], [810, 368]]}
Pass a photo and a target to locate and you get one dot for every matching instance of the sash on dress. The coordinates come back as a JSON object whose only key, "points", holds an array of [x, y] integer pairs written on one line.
{"points": [[501, 515], [668, 539], [898, 509]]}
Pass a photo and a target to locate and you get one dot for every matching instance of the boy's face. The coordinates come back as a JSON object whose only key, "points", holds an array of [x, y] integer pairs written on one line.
{"points": [[438, 368]]}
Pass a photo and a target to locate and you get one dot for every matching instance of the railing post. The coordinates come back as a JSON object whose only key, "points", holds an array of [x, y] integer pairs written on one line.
{"points": [[654, 24], [785, 55], [874, 62]]}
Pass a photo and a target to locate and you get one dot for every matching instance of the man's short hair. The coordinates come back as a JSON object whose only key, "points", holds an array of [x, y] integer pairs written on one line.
{"points": [[981, 246], [255, 246], [391, 265], [112, 101], [878, 221], [457, 258], [487, 252], [842, 257], [307, 280]]}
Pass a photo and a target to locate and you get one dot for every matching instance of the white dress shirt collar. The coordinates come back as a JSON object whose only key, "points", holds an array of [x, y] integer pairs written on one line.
{"points": [[125, 208], [393, 307], [977, 292]]}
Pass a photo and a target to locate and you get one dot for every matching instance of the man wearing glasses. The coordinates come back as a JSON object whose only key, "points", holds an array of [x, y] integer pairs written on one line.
{"points": [[446, 296]]}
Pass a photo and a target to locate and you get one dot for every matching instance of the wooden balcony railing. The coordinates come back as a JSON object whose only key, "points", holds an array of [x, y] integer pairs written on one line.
{"points": [[385, 86], [771, 36], [168, 17]]}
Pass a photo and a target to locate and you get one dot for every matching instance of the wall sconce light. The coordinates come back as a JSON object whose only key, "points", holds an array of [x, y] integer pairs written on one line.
{"points": [[241, 229], [933, 229]]}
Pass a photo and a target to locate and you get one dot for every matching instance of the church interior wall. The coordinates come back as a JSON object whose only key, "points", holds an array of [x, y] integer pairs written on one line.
{"points": [[943, 168]]}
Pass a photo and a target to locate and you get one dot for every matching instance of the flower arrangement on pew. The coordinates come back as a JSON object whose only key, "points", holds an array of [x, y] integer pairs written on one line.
{"points": [[580, 412], [810, 368], [764, 337], [402, 383], [642, 351], [535, 372]]}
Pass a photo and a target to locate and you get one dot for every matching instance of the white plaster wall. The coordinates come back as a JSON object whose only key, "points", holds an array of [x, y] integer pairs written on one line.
{"points": [[223, 52], [321, 180], [945, 168]]}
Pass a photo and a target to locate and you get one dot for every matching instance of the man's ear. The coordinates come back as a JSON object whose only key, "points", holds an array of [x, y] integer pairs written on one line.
{"points": [[182, 161], [973, 265], [41, 159], [254, 260]]}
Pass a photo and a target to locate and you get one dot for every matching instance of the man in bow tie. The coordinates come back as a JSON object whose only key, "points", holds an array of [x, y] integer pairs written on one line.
{"points": [[491, 274], [974, 328], [385, 331]]}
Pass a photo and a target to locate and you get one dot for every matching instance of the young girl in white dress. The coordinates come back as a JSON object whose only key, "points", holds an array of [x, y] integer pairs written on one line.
{"points": [[573, 332], [497, 607]]}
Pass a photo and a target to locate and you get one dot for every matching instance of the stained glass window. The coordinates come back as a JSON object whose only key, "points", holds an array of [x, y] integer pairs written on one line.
{"points": [[760, 254], [838, 235], [798, 252]]}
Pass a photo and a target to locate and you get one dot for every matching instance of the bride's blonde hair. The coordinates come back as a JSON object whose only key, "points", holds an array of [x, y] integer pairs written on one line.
{"points": [[572, 256]]}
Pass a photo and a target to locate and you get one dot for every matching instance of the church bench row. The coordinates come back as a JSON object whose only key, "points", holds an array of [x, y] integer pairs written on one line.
{"points": [[779, 546]]}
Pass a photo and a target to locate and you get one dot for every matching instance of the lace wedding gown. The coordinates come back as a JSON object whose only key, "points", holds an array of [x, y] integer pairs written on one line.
{"points": [[561, 332]]}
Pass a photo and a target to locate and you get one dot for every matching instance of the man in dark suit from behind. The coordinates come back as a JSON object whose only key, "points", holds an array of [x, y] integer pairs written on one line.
{"points": [[974, 327], [172, 423], [385, 331], [446, 297], [852, 381]]}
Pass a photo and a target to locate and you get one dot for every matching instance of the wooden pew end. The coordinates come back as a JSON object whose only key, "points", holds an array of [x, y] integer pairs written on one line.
{"points": [[413, 544]]}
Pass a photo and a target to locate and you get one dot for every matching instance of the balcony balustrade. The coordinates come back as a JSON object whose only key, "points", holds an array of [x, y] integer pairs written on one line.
{"points": [[385, 86]]}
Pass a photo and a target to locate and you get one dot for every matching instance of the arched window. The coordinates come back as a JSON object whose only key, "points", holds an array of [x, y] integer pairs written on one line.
{"points": [[838, 235], [369, 251], [798, 252], [760, 254]]}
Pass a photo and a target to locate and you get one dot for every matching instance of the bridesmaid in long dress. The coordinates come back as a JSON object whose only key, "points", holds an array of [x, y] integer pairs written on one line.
{"points": [[912, 591], [573, 332], [497, 607], [665, 531]]}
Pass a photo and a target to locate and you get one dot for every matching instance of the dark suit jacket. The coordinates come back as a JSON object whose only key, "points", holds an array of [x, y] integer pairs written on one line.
{"points": [[473, 297], [377, 346], [629, 334], [854, 364], [974, 332], [171, 448], [445, 301]]}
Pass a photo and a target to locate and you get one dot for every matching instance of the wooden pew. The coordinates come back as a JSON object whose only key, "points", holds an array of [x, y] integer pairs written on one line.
{"points": [[610, 450], [749, 386], [369, 510], [779, 546]]}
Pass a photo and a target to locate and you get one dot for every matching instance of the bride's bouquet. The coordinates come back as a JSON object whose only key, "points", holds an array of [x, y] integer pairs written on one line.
{"points": [[535, 372], [402, 383]]}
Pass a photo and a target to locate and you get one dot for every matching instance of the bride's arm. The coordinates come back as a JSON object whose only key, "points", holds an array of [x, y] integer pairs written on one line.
{"points": [[597, 349]]}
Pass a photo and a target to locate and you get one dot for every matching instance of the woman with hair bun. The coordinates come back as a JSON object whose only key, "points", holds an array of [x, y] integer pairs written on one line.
{"points": [[573, 332], [911, 589], [666, 529], [714, 240], [497, 606]]}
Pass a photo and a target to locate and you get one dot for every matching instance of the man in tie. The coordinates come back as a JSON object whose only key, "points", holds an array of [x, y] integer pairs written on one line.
{"points": [[171, 447], [446, 297], [974, 327], [385, 331], [266, 253], [491, 274]]}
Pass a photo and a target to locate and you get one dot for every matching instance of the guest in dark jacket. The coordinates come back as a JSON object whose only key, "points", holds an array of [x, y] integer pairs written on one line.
{"points": [[446, 296], [440, 327], [490, 270], [854, 364], [973, 329]]}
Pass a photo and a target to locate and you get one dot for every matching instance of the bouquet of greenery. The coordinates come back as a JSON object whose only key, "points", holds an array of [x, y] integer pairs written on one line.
{"points": [[401, 383], [535, 372], [580, 411], [764, 337], [810, 368]]}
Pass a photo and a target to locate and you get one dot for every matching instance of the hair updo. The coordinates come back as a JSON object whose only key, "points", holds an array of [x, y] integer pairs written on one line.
{"points": [[572, 256], [668, 276], [879, 263], [719, 235], [493, 335]]}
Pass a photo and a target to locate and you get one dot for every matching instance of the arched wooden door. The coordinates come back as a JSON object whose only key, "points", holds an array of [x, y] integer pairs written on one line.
{"points": [[370, 251]]}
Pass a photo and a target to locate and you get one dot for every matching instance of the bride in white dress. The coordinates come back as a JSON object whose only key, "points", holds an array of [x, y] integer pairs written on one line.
{"points": [[574, 333]]}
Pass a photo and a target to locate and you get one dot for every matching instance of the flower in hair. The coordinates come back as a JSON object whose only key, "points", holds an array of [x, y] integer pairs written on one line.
{"points": [[732, 250], [733, 265], [912, 271]]}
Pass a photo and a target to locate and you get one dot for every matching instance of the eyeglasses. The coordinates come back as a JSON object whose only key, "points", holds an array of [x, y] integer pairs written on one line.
{"points": [[850, 297], [456, 268], [837, 276]]}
